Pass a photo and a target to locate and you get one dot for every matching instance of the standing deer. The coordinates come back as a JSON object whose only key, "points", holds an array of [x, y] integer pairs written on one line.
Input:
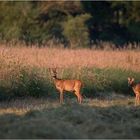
{"points": [[136, 89], [67, 85]]}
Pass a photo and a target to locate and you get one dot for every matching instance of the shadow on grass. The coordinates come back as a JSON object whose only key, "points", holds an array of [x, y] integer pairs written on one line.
{"points": [[72, 120]]}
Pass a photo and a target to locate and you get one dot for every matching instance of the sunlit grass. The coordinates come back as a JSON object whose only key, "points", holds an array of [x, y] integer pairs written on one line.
{"points": [[68, 58], [21, 106]]}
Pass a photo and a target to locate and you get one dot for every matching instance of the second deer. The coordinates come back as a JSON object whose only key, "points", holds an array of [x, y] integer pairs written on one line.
{"points": [[136, 89], [67, 85]]}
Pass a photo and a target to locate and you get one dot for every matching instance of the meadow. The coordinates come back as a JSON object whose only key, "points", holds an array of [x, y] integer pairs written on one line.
{"points": [[29, 102]]}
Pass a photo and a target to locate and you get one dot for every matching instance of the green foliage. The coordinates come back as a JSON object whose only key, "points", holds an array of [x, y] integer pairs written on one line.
{"points": [[29, 84], [25, 83], [97, 80], [12, 17], [38, 83], [75, 22], [76, 31]]}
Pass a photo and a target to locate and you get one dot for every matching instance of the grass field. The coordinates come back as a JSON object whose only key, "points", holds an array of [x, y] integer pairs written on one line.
{"points": [[29, 102], [95, 118]]}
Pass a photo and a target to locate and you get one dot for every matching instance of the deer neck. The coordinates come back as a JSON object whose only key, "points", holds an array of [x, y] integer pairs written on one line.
{"points": [[55, 79], [133, 85]]}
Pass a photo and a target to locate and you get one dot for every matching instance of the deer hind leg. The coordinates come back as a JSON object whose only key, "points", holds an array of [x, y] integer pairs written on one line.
{"points": [[136, 99], [79, 96], [61, 96]]}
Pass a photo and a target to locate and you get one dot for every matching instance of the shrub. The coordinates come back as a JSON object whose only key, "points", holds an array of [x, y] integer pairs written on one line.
{"points": [[18, 80]]}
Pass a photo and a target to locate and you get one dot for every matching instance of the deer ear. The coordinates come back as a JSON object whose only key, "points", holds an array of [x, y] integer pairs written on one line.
{"points": [[50, 70], [132, 79], [128, 78]]}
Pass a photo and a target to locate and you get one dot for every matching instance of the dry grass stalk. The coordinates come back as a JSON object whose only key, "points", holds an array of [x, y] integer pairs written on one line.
{"points": [[67, 58]]}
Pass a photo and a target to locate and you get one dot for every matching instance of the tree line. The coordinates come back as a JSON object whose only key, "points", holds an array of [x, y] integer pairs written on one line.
{"points": [[71, 23]]}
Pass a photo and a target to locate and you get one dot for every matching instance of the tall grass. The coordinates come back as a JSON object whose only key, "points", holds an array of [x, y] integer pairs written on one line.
{"points": [[59, 57], [24, 71]]}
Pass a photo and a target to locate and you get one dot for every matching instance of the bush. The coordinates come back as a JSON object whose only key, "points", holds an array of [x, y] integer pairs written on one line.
{"points": [[18, 80]]}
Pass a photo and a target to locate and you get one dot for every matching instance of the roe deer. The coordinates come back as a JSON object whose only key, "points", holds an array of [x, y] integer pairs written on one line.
{"points": [[67, 85], [136, 89]]}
